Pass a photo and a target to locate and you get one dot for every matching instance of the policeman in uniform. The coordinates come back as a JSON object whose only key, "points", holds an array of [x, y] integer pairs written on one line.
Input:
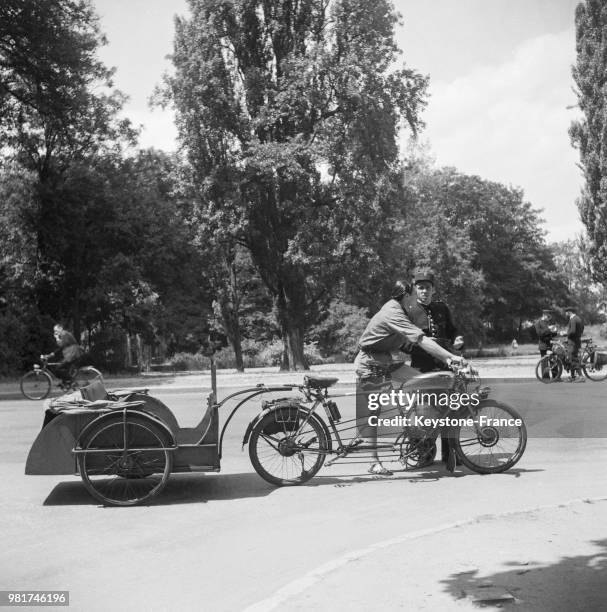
{"points": [[545, 331], [434, 319]]}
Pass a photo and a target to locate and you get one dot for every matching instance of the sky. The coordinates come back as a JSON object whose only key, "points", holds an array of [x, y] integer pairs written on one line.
{"points": [[501, 92]]}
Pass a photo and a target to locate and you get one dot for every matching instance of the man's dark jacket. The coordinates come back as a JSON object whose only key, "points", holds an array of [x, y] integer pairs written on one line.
{"points": [[435, 321], [544, 334], [575, 329]]}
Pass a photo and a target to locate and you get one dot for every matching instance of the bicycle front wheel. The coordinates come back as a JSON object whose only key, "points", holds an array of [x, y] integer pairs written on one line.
{"points": [[549, 369], [288, 446], [494, 442], [36, 385], [591, 370], [86, 375]]}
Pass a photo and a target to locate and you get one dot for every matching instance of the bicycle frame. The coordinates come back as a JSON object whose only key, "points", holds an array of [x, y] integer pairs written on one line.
{"points": [[345, 447]]}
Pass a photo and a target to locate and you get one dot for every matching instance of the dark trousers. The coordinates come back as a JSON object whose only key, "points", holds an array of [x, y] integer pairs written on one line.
{"points": [[64, 370], [573, 352]]}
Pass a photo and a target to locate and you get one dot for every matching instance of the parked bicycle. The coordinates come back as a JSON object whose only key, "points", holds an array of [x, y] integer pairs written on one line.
{"points": [[289, 442], [593, 362], [38, 382]]}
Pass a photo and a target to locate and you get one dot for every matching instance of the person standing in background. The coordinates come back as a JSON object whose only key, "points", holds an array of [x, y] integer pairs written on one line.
{"points": [[574, 331], [545, 330]]}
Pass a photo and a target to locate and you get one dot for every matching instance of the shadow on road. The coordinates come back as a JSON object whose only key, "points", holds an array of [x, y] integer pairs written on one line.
{"points": [[180, 489], [572, 583], [202, 488]]}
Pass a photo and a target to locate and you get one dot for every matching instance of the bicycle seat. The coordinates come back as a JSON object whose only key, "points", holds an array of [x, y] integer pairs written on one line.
{"points": [[319, 382], [586, 339]]}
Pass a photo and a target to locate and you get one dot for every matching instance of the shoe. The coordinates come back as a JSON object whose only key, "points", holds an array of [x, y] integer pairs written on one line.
{"points": [[579, 379], [379, 470], [355, 442]]}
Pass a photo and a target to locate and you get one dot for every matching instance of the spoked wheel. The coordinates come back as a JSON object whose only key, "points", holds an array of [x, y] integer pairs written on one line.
{"points": [[119, 477], [494, 443], [36, 385], [86, 375], [593, 371], [288, 448], [549, 369], [416, 453]]}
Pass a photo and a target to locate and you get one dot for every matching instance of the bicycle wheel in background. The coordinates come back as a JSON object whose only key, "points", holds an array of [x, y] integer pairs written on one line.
{"points": [[548, 369], [36, 385], [591, 370], [495, 442], [86, 375]]}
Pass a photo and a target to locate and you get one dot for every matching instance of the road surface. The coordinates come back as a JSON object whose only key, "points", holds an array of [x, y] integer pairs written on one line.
{"points": [[424, 540]]}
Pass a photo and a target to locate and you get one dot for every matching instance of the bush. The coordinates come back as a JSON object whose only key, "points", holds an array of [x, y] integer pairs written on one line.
{"points": [[189, 361], [255, 355], [340, 330]]}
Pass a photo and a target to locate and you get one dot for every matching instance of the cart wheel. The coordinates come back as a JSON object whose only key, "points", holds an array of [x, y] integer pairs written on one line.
{"points": [[491, 445], [125, 478], [548, 369], [36, 385], [591, 371], [288, 447], [85, 376]]}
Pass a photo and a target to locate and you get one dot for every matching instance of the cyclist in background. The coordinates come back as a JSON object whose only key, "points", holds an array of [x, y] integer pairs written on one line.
{"points": [[68, 352]]}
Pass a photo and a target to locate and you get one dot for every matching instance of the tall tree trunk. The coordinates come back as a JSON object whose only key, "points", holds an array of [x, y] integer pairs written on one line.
{"points": [[76, 318], [231, 327], [292, 328], [229, 310]]}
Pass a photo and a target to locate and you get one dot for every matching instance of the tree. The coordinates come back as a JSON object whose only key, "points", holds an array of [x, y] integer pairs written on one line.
{"points": [[588, 133], [488, 247], [288, 113], [59, 118], [571, 259]]}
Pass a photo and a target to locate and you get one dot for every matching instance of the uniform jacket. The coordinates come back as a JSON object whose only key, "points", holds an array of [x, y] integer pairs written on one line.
{"points": [[436, 322], [544, 334]]}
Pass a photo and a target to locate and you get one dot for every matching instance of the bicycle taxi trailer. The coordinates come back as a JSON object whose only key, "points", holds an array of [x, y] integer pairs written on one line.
{"points": [[125, 443]]}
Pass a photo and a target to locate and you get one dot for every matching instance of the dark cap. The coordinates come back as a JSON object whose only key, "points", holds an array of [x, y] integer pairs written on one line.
{"points": [[423, 274], [570, 309]]}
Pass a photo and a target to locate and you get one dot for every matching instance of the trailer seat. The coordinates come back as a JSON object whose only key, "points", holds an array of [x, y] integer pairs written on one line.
{"points": [[94, 391]]}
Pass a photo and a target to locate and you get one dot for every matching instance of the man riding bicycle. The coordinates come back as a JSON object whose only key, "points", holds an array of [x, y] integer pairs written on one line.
{"points": [[69, 352], [386, 333]]}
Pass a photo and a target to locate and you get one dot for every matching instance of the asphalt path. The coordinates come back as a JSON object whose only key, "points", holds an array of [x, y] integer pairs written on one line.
{"points": [[228, 541]]}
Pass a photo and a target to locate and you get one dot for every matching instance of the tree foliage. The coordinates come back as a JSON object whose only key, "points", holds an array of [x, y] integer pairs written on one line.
{"points": [[288, 113], [588, 133], [487, 245]]}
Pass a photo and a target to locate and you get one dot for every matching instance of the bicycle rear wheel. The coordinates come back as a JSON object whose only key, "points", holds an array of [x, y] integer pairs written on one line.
{"points": [[86, 375], [591, 370], [494, 443], [36, 385], [288, 448], [549, 369]]}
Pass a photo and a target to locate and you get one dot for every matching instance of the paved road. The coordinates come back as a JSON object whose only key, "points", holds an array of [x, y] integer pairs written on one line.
{"points": [[228, 541]]}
